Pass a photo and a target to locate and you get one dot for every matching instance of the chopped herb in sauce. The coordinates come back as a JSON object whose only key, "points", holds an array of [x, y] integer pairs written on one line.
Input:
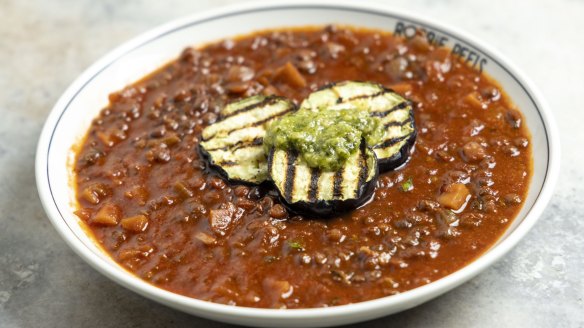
{"points": [[295, 245], [407, 185]]}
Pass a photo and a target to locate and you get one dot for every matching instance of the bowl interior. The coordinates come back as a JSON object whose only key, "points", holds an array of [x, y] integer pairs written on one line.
{"points": [[88, 95]]}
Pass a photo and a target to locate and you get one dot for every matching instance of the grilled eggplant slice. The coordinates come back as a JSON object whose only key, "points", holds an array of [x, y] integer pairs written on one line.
{"points": [[323, 193], [234, 144], [395, 112]]}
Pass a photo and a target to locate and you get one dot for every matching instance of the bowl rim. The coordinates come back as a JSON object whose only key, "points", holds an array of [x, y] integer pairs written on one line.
{"points": [[454, 279]]}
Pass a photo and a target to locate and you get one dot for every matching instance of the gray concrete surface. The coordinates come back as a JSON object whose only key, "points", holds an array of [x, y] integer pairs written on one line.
{"points": [[44, 45]]}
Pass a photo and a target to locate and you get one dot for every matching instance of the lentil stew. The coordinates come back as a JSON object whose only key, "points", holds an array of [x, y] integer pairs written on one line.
{"points": [[156, 206]]}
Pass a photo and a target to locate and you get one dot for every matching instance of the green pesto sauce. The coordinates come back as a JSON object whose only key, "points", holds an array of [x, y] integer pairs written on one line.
{"points": [[324, 138]]}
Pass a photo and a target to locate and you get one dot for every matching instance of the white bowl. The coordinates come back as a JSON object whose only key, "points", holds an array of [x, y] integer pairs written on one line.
{"points": [[72, 115]]}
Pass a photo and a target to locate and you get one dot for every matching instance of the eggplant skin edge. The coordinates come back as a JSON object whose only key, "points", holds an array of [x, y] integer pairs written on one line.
{"points": [[403, 155], [221, 172], [328, 208]]}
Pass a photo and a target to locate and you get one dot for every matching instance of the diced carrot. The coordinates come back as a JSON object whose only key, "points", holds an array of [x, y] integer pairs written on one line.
{"points": [[95, 193], [454, 197], [108, 215], [289, 74], [205, 238], [277, 289], [219, 220], [137, 223], [83, 214], [90, 196], [183, 189]]}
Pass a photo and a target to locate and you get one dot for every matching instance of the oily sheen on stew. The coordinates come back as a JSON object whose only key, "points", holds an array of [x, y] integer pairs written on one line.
{"points": [[162, 212]]}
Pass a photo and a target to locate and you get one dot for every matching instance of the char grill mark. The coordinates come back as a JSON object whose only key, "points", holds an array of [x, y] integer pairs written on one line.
{"points": [[290, 174], [266, 102], [314, 177]]}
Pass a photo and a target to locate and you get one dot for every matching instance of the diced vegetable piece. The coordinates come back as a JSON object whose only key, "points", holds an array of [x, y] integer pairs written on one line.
{"points": [[95, 193], [221, 219], [83, 214], [234, 144], [205, 238], [277, 289], [455, 196], [137, 223], [108, 215], [289, 74], [183, 189]]}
